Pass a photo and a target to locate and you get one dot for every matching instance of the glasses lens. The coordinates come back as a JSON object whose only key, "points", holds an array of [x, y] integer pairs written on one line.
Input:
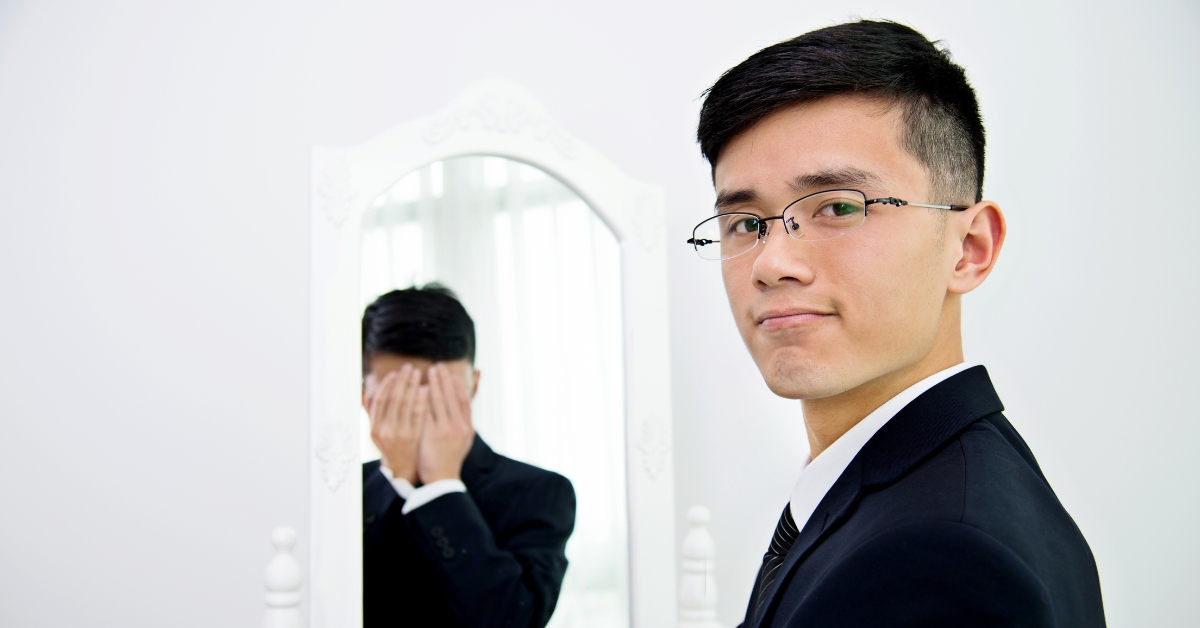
{"points": [[726, 235], [826, 215]]}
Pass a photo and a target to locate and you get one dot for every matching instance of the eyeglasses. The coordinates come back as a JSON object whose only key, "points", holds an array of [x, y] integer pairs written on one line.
{"points": [[820, 216]]}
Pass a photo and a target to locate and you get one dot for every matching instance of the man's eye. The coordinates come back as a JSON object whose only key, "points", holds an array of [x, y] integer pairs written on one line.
{"points": [[839, 209], [746, 225]]}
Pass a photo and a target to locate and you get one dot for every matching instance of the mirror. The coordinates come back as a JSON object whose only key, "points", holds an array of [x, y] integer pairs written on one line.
{"points": [[560, 258], [539, 273]]}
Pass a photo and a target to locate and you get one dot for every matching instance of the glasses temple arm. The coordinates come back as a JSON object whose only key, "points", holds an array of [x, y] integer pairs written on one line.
{"points": [[888, 200]]}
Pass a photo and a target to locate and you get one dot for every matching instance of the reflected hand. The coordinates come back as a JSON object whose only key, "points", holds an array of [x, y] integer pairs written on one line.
{"points": [[399, 411], [448, 433]]}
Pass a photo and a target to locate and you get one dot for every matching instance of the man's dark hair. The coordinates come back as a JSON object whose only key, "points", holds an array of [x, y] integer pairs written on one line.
{"points": [[426, 322], [885, 60]]}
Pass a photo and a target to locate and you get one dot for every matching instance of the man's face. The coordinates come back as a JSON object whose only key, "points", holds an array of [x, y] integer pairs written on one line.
{"points": [[381, 364], [823, 317]]}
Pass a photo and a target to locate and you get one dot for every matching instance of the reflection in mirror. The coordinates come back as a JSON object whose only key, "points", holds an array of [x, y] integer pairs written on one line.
{"points": [[539, 273]]}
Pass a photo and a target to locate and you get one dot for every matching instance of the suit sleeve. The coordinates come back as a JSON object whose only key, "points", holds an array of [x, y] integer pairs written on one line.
{"points": [[511, 582], [933, 574]]}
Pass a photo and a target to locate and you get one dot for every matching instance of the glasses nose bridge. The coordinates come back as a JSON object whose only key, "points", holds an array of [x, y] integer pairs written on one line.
{"points": [[764, 228]]}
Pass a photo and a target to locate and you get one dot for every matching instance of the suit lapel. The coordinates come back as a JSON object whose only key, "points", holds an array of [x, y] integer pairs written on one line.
{"points": [[926, 424], [478, 464], [833, 508], [916, 432], [378, 497]]}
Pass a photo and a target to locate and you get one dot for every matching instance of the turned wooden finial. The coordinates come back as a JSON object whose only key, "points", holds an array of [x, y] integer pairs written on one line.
{"points": [[283, 578], [698, 586]]}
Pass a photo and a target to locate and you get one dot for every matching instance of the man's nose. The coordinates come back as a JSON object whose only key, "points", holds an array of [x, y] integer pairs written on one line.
{"points": [[781, 258]]}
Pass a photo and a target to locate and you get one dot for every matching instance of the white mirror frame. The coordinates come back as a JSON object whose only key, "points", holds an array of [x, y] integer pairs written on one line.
{"points": [[494, 117]]}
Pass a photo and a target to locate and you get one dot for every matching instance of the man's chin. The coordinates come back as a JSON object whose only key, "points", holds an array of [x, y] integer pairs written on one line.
{"points": [[806, 380], [802, 390]]}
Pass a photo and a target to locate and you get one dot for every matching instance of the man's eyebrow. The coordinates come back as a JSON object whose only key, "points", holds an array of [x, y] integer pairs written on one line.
{"points": [[729, 198], [831, 179], [834, 178]]}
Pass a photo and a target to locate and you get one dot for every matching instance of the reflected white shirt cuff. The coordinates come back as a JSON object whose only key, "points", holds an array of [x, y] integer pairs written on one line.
{"points": [[416, 497], [403, 487], [429, 492]]}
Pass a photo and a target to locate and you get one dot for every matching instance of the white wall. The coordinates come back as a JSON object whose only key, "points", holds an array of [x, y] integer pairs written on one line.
{"points": [[154, 164]]}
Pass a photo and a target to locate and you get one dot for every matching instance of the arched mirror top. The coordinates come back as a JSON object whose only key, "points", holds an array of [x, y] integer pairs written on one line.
{"points": [[492, 118]]}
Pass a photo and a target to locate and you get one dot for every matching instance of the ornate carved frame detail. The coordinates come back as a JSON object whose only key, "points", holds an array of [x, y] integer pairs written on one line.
{"points": [[493, 117]]}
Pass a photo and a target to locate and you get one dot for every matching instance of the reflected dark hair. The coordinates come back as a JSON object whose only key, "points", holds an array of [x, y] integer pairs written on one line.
{"points": [[426, 322], [886, 60]]}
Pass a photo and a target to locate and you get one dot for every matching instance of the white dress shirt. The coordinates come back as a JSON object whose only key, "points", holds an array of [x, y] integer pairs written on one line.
{"points": [[415, 497], [818, 475]]}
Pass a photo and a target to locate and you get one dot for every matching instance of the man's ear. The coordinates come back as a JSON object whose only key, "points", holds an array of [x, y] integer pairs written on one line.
{"points": [[475, 386], [979, 234]]}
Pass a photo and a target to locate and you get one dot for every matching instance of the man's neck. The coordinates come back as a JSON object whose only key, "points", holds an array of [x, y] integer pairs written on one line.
{"points": [[828, 418]]}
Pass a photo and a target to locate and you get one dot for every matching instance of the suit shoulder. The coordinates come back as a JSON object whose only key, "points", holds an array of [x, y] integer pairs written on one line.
{"points": [[514, 494], [511, 471], [1004, 490], [1008, 498], [984, 439]]}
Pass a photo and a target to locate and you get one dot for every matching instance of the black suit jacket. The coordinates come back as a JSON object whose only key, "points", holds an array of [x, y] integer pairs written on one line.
{"points": [[493, 556], [943, 519]]}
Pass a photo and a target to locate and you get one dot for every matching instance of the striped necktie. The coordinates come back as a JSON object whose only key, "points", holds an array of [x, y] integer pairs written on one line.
{"points": [[785, 535]]}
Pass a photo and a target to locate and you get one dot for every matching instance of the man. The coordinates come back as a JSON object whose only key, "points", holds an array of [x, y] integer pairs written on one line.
{"points": [[454, 533], [848, 167]]}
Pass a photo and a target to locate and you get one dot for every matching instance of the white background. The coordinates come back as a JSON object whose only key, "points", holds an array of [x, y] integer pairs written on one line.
{"points": [[154, 202]]}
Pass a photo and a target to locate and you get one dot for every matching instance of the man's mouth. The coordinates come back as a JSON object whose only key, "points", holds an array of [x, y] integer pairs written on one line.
{"points": [[789, 317]]}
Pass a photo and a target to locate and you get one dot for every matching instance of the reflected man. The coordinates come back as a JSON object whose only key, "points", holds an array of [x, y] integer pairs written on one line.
{"points": [[848, 168], [454, 534]]}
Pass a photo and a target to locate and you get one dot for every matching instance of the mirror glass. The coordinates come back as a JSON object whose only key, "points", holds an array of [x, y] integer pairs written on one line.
{"points": [[539, 273]]}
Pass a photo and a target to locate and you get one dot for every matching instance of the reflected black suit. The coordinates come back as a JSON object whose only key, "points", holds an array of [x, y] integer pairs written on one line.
{"points": [[493, 556], [943, 519]]}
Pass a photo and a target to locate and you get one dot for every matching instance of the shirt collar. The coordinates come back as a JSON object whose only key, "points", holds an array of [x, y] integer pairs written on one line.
{"points": [[819, 474]]}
